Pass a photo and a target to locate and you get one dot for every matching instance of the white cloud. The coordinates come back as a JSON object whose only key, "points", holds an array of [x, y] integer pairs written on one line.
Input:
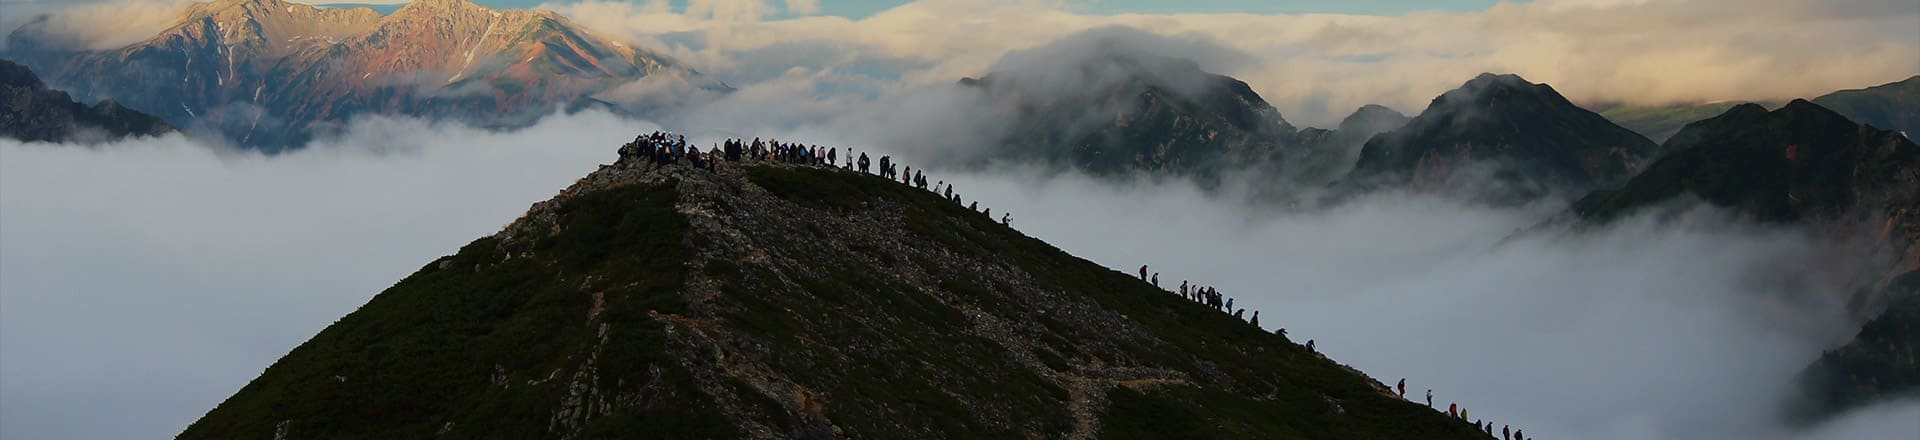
{"points": [[803, 7], [147, 280], [1318, 67], [94, 24], [180, 271]]}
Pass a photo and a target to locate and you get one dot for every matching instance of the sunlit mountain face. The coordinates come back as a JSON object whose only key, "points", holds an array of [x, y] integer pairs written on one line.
{"points": [[268, 73]]}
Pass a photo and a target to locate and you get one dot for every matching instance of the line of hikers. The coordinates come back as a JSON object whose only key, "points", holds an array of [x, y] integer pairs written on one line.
{"points": [[661, 148], [1206, 295], [1211, 297], [1456, 411]]}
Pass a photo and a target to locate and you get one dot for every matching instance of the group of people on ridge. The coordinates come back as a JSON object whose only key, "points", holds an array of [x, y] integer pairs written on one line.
{"points": [[661, 149]]}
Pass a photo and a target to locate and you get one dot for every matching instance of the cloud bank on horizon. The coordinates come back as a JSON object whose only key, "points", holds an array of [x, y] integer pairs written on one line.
{"points": [[1315, 68]]}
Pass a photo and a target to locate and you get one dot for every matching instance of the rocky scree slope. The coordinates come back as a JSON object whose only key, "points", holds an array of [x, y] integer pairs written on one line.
{"points": [[774, 301]]}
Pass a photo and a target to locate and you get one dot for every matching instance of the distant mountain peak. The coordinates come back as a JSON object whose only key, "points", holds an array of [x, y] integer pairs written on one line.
{"points": [[1115, 110], [1502, 139], [1502, 79], [438, 6], [1371, 114], [313, 69]]}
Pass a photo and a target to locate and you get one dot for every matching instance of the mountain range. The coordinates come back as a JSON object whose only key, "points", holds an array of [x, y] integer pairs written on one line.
{"points": [[781, 301], [1807, 165], [29, 111], [1887, 106], [268, 73], [784, 301]]}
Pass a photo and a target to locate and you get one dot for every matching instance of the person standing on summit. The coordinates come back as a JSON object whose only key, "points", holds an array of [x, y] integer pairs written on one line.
{"points": [[1143, 272], [1403, 388]]}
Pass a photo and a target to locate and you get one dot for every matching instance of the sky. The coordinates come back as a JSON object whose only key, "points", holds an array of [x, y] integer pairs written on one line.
{"points": [[150, 278], [865, 8], [1315, 66]]}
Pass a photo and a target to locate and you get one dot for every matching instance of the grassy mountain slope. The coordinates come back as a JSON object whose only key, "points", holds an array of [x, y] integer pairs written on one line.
{"points": [[774, 301]]}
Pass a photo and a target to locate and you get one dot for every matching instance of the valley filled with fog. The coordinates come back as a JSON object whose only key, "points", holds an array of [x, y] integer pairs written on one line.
{"points": [[179, 270]]}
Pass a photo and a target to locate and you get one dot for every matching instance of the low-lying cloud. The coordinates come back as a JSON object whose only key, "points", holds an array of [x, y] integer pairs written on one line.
{"points": [[151, 278], [1676, 329], [146, 280]]}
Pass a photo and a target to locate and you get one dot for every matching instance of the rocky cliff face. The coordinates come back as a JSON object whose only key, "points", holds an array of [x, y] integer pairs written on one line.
{"points": [[29, 111], [777, 301], [1502, 139], [267, 72]]}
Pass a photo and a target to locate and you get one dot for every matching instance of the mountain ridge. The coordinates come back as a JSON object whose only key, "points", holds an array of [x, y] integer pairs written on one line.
{"points": [[1892, 106], [787, 301]]}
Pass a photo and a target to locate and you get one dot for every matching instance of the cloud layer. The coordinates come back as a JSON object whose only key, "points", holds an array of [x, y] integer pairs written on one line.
{"points": [[1317, 68], [149, 279]]}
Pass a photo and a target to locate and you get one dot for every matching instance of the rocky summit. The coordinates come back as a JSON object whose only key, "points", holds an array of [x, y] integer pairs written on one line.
{"points": [[775, 300]]}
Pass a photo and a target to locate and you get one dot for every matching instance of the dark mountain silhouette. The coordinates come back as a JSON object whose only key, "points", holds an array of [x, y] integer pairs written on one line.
{"points": [[29, 111], [1502, 139], [779, 301], [1806, 164], [268, 73], [1876, 366], [1892, 106], [1334, 152], [1139, 113]]}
